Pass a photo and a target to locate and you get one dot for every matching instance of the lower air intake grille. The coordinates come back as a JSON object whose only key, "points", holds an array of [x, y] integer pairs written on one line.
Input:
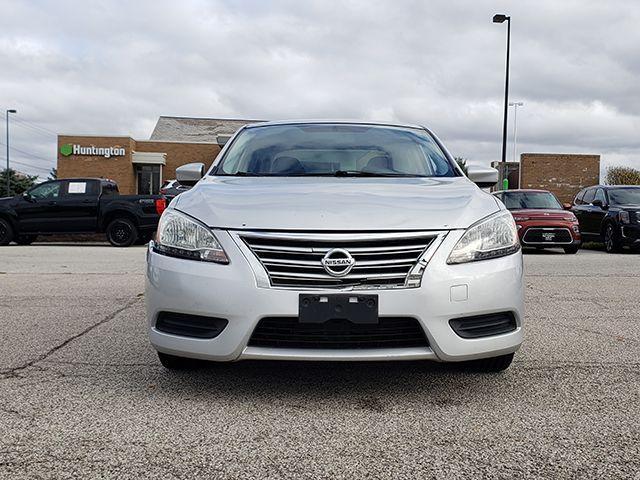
{"points": [[288, 332], [484, 325], [185, 325]]}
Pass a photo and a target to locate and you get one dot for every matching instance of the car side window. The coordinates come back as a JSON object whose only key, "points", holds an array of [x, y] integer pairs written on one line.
{"points": [[46, 190], [600, 196], [589, 196], [578, 199]]}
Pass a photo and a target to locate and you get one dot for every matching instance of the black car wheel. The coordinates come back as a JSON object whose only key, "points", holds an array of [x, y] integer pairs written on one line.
{"points": [[571, 250], [612, 241], [25, 239], [6, 232], [121, 232]]}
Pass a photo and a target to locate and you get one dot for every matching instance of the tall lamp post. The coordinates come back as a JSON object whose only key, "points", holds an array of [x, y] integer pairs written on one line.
{"points": [[515, 106], [7, 172], [501, 18]]}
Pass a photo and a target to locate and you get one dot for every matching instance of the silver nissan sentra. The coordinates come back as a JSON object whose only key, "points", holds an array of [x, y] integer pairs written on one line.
{"points": [[337, 241]]}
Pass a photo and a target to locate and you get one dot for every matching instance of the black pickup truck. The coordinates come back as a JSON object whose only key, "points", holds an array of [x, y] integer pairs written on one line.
{"points": [[79, 205]]}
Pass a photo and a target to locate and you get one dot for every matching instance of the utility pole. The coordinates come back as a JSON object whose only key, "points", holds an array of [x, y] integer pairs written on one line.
{"points": [[7, 171], [501, 18], [515, 106]]}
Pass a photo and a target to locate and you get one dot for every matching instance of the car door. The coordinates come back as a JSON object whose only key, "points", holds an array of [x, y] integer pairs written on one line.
{"points": [[78, 206], [596, 213], [581, 208], [38, 209]]}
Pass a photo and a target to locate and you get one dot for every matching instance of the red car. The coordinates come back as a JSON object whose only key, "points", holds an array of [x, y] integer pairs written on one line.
{"points": [[543, 222]]}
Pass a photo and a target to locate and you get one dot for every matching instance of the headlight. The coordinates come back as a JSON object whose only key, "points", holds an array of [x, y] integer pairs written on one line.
{"points": [[491, 237], [183, 237], [624, 217]]}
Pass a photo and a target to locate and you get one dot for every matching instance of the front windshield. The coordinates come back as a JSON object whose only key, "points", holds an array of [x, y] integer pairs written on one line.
{"points": [[519, 200], [334, 150], [624, 196]]}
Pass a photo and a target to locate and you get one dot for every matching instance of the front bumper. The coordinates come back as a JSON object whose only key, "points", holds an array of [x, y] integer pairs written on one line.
{"points": [[231, 292], [631, 235]]}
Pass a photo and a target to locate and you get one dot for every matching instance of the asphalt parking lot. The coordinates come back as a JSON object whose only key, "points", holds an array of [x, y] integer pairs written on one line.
{"points": [[83, 395]]}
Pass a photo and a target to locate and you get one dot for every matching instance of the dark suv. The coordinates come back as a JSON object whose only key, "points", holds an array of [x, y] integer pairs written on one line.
{"points": [[609, 213]]}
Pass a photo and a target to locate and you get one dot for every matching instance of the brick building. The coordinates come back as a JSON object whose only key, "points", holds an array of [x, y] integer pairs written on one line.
{"points": [[141, 166], [563, 174]]}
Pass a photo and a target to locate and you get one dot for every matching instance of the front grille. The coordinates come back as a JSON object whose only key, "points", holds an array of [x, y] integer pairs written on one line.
{"points": [[288, 332], [536, 235], [484, 325], [381, 260], [185, 325]]}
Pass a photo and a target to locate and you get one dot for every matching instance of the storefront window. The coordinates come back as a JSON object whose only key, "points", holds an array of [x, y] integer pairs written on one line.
{"points": [[148, 177]]}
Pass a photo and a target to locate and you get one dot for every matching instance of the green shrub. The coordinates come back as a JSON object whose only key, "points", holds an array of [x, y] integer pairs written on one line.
{"points": [[622, 176]]}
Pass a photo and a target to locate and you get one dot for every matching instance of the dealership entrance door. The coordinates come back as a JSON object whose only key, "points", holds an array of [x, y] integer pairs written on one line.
{"points": [[148, 170]]}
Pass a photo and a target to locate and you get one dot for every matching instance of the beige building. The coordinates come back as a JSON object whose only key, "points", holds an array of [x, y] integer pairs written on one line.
{"points": [[142, 166]]}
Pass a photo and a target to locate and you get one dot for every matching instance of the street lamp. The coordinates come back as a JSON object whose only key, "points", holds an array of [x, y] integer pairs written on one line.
{"points": [[501, 18], [515, 106], [7, 172]]}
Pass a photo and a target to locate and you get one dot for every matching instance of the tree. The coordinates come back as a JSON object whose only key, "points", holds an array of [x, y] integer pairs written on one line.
{"points": [[18, 182], [53, 174], [622, 176], [462, 163]]}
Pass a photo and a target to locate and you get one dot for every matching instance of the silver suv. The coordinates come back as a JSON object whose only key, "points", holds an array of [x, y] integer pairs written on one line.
{"points": [[335, 241]]}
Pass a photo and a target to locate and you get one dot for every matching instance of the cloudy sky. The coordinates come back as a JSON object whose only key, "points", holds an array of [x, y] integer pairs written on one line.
{"points": [[114, 67]]}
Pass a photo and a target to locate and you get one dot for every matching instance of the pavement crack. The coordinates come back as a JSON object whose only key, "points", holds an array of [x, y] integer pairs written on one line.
{"points": [[14, 372]]}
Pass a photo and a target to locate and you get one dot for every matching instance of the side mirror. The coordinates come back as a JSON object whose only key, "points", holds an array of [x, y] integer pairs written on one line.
{"points": [[190, 174], [27, 197], [567, 206], [598, 203], [484, 177]]}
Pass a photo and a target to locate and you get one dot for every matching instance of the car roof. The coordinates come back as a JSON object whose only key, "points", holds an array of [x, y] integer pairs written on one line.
{"points": [[331, 121], [533, 190]]}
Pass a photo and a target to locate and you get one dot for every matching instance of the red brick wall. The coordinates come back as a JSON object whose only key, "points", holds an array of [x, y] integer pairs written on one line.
{"points": [[563, 174]]}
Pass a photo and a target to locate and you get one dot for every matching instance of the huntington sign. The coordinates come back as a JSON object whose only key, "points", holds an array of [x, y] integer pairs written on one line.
{"points": [[107, 152]]}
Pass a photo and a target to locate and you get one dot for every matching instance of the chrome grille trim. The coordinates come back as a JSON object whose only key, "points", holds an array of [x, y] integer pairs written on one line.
{"points": [[383, 260]]}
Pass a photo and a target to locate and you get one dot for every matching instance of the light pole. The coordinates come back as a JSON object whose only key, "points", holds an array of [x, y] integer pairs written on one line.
{"points": [[515, 106], [7, 172], [501, 18]]}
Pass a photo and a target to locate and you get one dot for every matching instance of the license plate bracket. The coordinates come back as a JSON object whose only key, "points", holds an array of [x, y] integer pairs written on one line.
{"points": [[320, 308]]}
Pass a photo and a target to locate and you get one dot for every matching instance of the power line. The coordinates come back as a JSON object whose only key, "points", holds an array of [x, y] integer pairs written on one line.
{"points": [[30, 166], [33, 129], [26, 153]]}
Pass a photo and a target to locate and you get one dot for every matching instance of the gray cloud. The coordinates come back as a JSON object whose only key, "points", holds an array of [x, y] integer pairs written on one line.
{"points": [[85, 67]]}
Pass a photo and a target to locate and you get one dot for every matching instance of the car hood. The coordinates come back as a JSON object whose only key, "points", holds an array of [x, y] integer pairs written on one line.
{"points": [[336, 204], [544, 214]]}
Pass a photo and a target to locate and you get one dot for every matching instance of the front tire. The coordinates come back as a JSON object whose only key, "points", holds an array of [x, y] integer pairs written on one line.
{"points": [[121, 232], [490, 365], [6, 232], [571, 250], [612, 242], [172, 362], [25, 239]]}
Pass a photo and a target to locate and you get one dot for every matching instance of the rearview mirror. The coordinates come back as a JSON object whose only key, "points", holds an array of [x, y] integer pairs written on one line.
{"points": [[190, 174], [484, 177]]}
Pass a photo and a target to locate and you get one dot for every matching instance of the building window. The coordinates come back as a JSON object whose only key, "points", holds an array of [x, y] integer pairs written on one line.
{"points": [[148, 179]]}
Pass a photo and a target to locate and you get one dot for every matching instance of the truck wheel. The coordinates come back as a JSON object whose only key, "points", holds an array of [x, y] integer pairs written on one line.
{"points": [[6, 232], [171, 362], [612, 241], [121, 232], [572, 249], [490, 365], [25, 239]]}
